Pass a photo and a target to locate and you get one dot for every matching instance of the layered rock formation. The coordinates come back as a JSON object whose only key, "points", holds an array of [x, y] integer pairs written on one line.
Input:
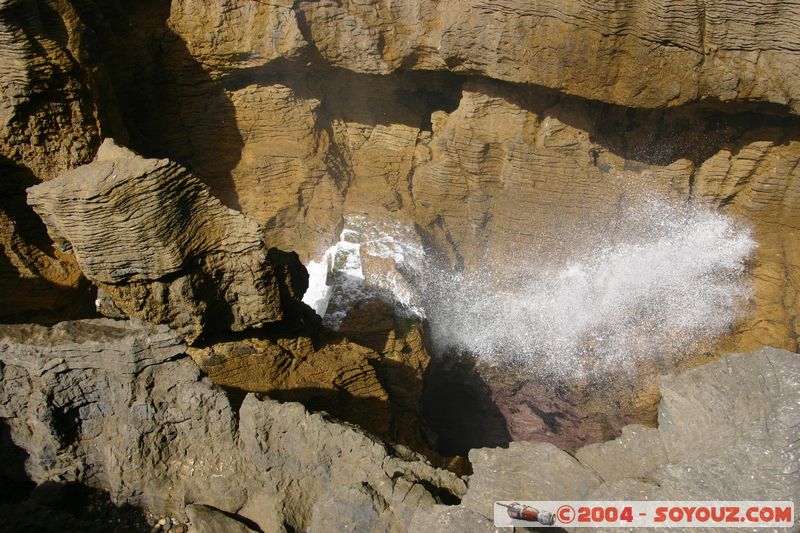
{"points": [[743, 408], [482, 168], [602, 50], [51, 119], [379, 389], [160, 247], [250, 96], [120, 407], [490, 130]]}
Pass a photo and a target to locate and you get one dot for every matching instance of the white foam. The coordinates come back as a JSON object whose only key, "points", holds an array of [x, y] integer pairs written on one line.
{"points": [[318, 293], [338, 277]]}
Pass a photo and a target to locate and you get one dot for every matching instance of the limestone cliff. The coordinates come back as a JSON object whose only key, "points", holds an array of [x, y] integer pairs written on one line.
{"points": [[251, 134], [608, 51], [480, 123]]}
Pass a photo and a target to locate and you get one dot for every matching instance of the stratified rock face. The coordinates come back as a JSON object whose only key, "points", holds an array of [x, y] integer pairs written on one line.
{"points": [[607, 51], [155, 240], [487, 125], [512, 177], [118, 406], [486, 172], [50, 120], [727, 431], [377, 390]]}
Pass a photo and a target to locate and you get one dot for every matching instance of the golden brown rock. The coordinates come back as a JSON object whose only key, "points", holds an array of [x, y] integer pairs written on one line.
{"points": [[303, 113], [607, 51], [50, 120], [154, 239], [378, 390]]}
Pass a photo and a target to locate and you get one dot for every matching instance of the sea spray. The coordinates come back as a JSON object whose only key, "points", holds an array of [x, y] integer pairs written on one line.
{"points": [[673, 278], [652, 282], [338, 281]]}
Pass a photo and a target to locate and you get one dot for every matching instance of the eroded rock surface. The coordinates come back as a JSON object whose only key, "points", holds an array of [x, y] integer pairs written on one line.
{"points": [[727, 431], [162, 247], [205, 519], [300, 114], [379, 390], [606, 51], [50, 121], [119, 406]]}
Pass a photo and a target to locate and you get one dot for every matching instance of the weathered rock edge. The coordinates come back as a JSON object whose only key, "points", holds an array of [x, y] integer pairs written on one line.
{"points": [[727, 431], [117, 405], [607, 50], [162, 248]]}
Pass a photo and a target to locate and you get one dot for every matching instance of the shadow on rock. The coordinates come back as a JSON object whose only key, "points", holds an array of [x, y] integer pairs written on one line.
{"points": [[38, 284], [55, 507], [458, 406]]}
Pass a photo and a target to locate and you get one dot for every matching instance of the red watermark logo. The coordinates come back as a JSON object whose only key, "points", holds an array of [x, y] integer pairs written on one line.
{"points": [[723, 514]]}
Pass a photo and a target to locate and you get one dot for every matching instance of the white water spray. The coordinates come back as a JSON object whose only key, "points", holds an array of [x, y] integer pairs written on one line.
{"points": [[664, 279], [674, 279], [345, 274]]}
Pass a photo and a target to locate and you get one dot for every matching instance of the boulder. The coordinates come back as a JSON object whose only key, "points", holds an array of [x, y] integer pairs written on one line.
{"points": [[205, 519], [162, 248]]}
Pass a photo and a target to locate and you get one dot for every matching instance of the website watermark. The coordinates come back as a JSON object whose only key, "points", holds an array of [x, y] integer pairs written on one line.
{"points": [[723, 514]]}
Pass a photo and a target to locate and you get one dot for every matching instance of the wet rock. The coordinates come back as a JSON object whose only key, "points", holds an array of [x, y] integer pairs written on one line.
{"points": [[162, 247], [727, 431], [120, 407]]}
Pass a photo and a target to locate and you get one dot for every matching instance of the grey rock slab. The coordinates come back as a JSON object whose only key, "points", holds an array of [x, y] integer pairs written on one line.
{"points": [[637, 453], [205, 519], [119, 406], [525, 471]]}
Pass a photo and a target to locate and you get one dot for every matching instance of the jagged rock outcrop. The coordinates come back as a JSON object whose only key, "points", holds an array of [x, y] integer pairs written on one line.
{"points": [[118, 406], [727, 431], [162, 248], [377, 389]]}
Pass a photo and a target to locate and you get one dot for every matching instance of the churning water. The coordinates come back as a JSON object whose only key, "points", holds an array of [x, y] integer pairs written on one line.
{"points": [[668, 278], [673, 278], [338, 280]]}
